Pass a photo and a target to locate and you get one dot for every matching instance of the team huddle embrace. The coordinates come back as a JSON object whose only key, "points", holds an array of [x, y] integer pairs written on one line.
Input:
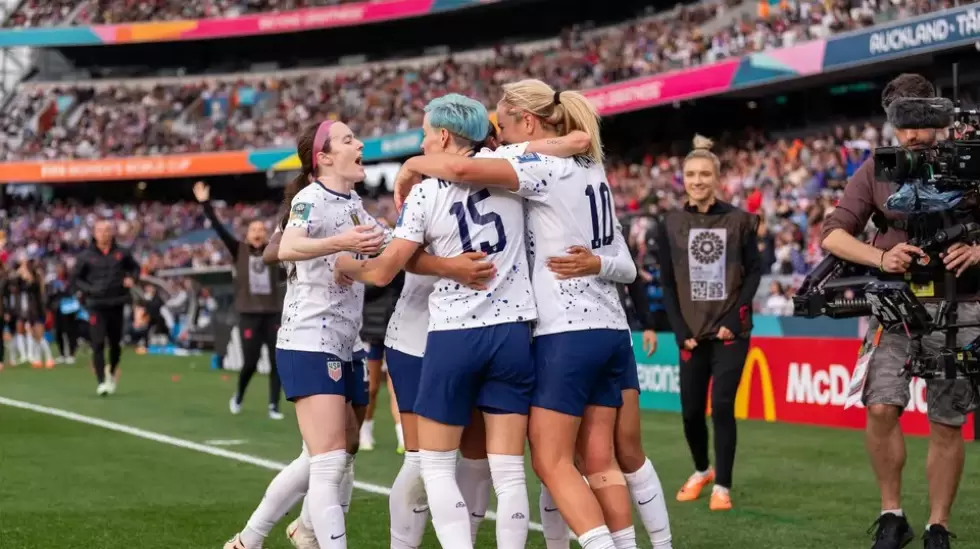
{"points": [[509, 331]]}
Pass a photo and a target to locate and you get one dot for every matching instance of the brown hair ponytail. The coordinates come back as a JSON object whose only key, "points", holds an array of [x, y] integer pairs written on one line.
{"points": [[307, 173]]}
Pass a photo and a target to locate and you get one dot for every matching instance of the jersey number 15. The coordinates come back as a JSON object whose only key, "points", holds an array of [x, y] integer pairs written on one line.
{"points": [[601, 235], [458, 210]]}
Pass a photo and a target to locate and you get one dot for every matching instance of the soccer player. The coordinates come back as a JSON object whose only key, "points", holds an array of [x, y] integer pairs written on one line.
{"points": [[482, 337], [582, 342]]}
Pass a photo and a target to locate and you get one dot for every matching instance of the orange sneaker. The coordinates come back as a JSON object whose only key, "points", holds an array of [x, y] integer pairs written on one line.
{"points": [[37, 364], [720, 501], [695, 483], [49, 364]]}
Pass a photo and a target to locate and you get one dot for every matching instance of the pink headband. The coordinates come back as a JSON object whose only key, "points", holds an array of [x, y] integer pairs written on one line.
{"points": [[320, 139]]}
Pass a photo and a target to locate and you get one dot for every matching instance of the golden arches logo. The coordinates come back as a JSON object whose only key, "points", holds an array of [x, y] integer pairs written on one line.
{"points": [[756, 360]]}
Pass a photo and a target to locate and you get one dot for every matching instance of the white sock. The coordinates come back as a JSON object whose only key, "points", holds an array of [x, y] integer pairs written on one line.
{"points": [[648, 496], [45, 353], [625, 538], [597, 538], [896, 512], [367, 428], [347, 484], [32, 350], [449, 513], [400, 434], [555, 529], [718, 489], [513, 509], [475, 483], [21, 344], [304, 514], [283, 493], [326, 473], [408, 505]]}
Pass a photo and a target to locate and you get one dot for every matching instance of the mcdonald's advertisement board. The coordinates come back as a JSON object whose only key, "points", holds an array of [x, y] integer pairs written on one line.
{"points": [[786, 379]]}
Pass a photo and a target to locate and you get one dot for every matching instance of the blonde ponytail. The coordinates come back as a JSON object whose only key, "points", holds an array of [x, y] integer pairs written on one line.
{"points": [[702, 149], [564, 111]]}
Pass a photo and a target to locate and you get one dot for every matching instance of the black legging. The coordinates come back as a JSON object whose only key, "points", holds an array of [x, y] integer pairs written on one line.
{"points": [[723, 363], [66, 329], [106, 323], [256, 330]]}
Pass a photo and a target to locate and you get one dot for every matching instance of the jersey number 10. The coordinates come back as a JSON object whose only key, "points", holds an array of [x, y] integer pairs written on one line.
{"points": [[459, 211], [601, 236]]}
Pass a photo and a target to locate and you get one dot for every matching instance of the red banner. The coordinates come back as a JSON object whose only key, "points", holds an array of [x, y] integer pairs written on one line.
{"points": [[805, 380]]}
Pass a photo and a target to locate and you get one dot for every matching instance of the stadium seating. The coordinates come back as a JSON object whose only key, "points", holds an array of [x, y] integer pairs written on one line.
{"points": [[123, 118]]}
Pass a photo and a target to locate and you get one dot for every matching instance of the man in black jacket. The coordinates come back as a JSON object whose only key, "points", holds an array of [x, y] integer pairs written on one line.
{"points": [[103, 275]]}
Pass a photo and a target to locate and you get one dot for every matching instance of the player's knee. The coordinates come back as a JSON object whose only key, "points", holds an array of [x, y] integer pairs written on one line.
{"points": [[883, 413], [596, 458], [629, 451], [606, 479]]}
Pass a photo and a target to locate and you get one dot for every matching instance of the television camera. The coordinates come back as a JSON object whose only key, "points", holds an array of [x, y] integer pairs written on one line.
{"points": [[939, 190]]}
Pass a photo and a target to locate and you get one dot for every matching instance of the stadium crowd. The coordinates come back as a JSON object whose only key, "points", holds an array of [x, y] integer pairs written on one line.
{"points": [[45, 13], [791, 183], [146, 117]]}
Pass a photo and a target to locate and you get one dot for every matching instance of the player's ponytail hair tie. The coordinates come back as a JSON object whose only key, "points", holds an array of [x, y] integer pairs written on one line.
{"points": [[557, 98], [319, 140]]}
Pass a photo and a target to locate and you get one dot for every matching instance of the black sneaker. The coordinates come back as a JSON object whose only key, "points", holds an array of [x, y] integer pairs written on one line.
{"points": [[891, 532], [937, 537]]}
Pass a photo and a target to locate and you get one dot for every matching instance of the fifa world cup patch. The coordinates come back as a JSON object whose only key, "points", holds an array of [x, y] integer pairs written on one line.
{"points": [[335, 369], [300, 212]]}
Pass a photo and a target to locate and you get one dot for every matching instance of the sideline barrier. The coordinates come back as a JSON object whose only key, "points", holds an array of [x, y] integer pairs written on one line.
{"points": [[786, 379]]}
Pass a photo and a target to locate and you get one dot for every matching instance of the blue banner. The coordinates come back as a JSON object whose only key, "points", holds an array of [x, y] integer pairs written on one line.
{"points": [[396, 145], [943, 30]]}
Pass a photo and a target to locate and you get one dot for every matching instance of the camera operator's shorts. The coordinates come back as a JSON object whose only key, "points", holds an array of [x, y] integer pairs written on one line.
{"points": [[948, 401]]}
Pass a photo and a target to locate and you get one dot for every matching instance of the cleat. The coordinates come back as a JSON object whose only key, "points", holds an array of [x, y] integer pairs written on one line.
{"points": [[101, 390], [300, 536], [234, 406], [49, 364], [892, 532], [37, 364], [275, 413], [695, 483], [720, 501], [937, 537]]}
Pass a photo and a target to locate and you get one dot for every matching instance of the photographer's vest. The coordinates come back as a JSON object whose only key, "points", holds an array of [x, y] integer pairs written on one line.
{"points": [[706, 253], [258, 287]]}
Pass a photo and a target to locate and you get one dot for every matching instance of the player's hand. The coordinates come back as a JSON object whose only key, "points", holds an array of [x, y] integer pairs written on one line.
{"points": [[649, 342], [725, 334], [339, 275], [959, 257], [578, 262], [404, 181], [362, 239], [202, 192], [690, 344], [469, 270], [898, 259], [128, 282]]}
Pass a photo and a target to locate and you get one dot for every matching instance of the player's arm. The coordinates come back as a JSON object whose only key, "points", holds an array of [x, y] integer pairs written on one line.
{"points": [[468, 269], [270, 255], [297, 245], [566, 146], [381, 270]]}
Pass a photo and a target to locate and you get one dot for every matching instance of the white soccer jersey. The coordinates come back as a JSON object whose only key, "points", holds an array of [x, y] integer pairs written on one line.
{"points": [[455, 218], [569, 203], [319, 314], [409, 325]]}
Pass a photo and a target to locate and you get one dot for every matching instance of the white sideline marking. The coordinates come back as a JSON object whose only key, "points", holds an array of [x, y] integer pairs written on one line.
{"points": [[189, 445], [234, 442]]}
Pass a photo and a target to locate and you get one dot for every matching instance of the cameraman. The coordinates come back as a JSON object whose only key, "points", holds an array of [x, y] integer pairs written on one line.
{"points": [[886, 390]]}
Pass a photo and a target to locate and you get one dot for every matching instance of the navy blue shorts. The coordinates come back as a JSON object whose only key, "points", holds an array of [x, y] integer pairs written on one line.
{"points": [[630, 378], [360, 395], [308, 373], [375, 351], [489, 368], [405, 372], [579, 369]]}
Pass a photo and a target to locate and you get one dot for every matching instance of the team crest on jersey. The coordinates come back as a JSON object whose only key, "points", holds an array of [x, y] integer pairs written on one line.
{"points": [[300, 212], [335, 369], [529, 157]]}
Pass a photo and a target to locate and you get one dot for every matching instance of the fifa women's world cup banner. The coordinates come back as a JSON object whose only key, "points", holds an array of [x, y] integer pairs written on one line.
{"points": [[786, 379]]}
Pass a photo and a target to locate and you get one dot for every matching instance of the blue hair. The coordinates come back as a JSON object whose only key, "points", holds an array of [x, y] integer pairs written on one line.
{"points": [[460, 115]]}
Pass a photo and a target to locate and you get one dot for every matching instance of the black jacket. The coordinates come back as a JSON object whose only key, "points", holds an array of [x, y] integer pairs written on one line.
{"points": [[99, 276]]}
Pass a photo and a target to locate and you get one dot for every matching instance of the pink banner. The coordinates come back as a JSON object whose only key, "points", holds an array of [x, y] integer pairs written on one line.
{"points": [[269, 23], [649, 91]]}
